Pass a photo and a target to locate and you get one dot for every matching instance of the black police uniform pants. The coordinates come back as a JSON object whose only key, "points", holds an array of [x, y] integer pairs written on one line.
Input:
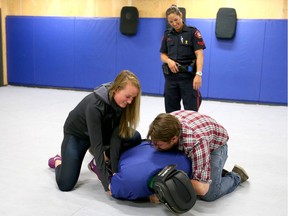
{"points": [[179, 88]]}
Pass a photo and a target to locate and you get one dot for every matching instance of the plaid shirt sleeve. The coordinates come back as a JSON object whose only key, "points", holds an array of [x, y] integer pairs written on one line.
{"points": [[199, 153], [200, 156]]}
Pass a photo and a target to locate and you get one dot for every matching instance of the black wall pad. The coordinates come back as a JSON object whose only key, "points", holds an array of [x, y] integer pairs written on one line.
{"points": [[183, 11], [226, 23], [1, 56], [129, 20]]}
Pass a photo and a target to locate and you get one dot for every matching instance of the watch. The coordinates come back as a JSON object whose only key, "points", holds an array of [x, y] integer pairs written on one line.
{"points": [[199, 73]]}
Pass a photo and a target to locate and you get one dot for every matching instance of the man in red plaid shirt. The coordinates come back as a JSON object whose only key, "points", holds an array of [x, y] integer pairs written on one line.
{"points": [[204, 141]]}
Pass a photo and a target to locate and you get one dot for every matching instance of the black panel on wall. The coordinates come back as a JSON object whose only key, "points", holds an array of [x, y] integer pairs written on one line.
{"points": [[129, 20], [183, 11], [226, 21], [1, 56]]}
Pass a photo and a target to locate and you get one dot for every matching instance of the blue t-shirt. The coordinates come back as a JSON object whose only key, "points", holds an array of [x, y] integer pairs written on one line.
{"points": [[136, 167]]}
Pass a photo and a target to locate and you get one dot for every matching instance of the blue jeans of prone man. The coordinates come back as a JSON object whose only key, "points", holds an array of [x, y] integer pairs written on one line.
{"points": [[220, 186]]}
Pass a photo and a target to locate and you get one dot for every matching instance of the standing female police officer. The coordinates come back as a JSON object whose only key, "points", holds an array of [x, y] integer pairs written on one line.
{"points": [[182, 54]]}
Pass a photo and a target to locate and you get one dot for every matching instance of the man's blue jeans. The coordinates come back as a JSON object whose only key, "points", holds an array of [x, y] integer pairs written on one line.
{"points": [[220, 186]]}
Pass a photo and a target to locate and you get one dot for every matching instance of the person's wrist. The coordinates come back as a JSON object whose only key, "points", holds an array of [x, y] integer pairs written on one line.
{"points": [[199, 73]]}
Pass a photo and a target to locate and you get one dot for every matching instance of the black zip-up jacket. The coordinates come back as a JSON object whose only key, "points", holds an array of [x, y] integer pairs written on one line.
{"points": [[96, 119]]}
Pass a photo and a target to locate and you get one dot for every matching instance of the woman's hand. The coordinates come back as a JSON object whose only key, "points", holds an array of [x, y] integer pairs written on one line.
{"points": [[197, 82], [173, 66]]}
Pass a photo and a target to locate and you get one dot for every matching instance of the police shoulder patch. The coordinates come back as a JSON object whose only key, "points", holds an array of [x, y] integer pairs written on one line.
{"points": [[197, 34]]}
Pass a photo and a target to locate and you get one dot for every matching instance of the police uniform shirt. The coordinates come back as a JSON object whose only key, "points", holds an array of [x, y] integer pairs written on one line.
{"points": [[181, 46]]}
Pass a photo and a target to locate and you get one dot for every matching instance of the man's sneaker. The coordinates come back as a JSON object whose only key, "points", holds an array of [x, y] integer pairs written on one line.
{"points": [[241, 172], [51, 161], [92, 167]]}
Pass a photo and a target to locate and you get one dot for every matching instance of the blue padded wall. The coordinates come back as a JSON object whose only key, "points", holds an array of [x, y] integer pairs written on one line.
{"points": [[141, 54], [235, 67], [61, 52], [274, 65], [72, 52], [94, 51], [20, 50], [53, 51]]}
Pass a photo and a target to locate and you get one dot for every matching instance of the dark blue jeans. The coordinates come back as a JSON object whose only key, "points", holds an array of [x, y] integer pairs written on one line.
{"points": [[73, 150], [220, 186]]}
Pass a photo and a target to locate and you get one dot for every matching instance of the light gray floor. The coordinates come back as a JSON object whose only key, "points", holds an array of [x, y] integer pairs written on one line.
{"points": [[31, 121]]}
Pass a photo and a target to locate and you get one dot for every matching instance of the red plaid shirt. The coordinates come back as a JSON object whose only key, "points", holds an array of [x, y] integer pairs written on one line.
{"points": [[200, 135]]}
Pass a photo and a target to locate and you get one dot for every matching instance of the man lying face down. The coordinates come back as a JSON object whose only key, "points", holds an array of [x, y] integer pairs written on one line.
{"points": [[138, 165]]}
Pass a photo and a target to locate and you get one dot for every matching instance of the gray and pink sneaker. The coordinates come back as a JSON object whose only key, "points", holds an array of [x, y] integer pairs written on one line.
{"points": [[92, 167], [51, 161]]}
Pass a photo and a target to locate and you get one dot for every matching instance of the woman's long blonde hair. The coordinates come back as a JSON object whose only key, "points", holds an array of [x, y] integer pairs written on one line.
{"points": [[131, 114]]}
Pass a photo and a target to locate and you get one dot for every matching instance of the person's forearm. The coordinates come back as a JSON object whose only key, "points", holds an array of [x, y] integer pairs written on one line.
{"points": [[115, 149], [199, 60], [164, 58], [199, 64]]}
